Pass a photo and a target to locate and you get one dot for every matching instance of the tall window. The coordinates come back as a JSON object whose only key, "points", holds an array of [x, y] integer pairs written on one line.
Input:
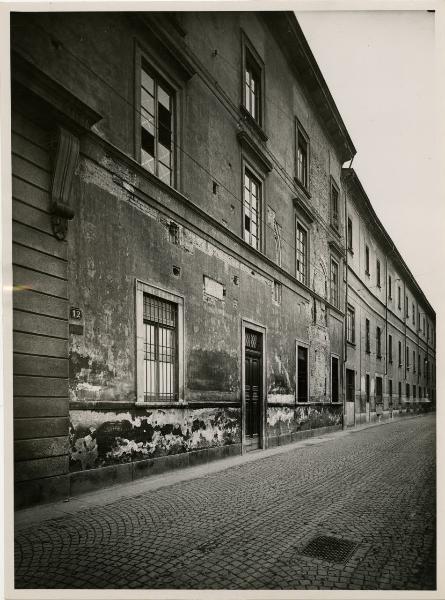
{"points": [[157, 125], [419, 365], [407, 357], [302, 144], [301, 254], [334, 379], [349, 234], [367, 387], [399, 297], [406, 307], [334, 282], [414, 314], [350, 324], [335, 221], [252, 87], [400, 391], [378, 336], [251, 209], [414, 361], [423, 325], [389, 287], [160, 349], [367, 260], [378, 273], [367, 337], [390, 390], [400, 354], [407, 390], [390, 348]]}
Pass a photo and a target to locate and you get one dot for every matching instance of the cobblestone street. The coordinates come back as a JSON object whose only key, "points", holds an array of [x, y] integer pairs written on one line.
{"points": [[246, 527]]}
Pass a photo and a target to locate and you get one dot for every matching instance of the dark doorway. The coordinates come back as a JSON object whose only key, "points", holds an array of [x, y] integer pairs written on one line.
{"points": [[350, 385], [302, 390], [253, 388], [334, 379]]}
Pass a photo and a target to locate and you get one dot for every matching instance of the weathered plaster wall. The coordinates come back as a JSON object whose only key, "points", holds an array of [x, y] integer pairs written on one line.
{"points": [[284, 420], [100, 438]]}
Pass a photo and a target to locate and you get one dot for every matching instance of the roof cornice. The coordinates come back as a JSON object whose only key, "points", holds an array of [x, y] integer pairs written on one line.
{"points": [[286, 29], [361, 197]]}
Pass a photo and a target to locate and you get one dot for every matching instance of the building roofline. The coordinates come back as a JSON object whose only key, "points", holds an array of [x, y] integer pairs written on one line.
{"points": [[293, 42], [350, 173]]}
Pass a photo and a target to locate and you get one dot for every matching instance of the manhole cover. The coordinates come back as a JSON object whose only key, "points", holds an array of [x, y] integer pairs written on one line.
{"points": [[330, 549]]}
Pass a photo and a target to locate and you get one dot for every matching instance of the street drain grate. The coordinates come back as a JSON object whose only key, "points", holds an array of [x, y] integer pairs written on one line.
{"points": [[329, 548]]}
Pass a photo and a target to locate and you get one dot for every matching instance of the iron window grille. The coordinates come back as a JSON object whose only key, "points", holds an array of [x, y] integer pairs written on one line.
{"points": [[350, 324], [160, 349], [301, 254], [252, 209], [157, 124]]}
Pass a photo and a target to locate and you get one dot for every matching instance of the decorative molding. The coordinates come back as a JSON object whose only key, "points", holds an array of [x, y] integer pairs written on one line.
{"points": [[336, 248], [304, 210], [255, 151], [46, 98], [66, 157]]}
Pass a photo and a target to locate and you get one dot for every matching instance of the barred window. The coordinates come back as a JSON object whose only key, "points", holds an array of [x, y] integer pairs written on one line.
{"points": [[301, 254], [160, 349]]}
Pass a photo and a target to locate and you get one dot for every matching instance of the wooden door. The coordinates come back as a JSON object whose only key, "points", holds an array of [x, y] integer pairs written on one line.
{"points": [[253, 389]]}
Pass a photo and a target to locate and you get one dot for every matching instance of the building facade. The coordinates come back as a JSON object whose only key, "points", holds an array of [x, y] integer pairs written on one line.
{"points": [[188, 251]]}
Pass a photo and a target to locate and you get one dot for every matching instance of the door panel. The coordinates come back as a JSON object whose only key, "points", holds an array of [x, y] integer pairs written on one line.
{"points": [[253, 394], [302, 375]]}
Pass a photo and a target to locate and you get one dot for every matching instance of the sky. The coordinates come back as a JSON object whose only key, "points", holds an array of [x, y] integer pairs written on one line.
{"points": [[380, 69]]}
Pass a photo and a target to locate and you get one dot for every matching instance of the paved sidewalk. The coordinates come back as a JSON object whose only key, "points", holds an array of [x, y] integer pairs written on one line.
{"points": [[244, 523]]}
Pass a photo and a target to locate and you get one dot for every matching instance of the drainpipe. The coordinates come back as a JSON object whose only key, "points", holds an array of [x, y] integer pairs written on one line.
{"points": [[345, 346]]}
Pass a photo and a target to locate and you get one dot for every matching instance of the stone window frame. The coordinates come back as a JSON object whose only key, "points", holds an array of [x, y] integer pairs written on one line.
{"points": [[303, 225], [164, 74], [142, 288], [259, 175]]}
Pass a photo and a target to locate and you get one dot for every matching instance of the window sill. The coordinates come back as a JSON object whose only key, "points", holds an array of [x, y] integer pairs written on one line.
{"points": [[253, 123], [160, 403], [302, 187]]}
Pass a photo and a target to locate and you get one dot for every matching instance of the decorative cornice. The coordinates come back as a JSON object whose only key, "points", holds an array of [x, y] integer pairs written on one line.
{"points": [[47, 98], [66, 157], [336, 247], [249, 144], [304, 210]]}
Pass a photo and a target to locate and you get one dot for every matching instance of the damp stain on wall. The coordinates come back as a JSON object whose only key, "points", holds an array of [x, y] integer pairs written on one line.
{"points": [[100, 438]]}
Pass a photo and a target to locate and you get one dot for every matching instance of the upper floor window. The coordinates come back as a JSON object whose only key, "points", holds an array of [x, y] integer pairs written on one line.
{"points": [[251, 208], [379, 342], [157, 124], [335, 215], [367, 337], [334, 282], [301, 250], [350, 324], [252, 87], [349, 234], [390, 348], [407, 357], [367, 260], [399, 297], [423, 325], [378, 273], [302, 152], [400, 354], [390, 287], [406, 307]]}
